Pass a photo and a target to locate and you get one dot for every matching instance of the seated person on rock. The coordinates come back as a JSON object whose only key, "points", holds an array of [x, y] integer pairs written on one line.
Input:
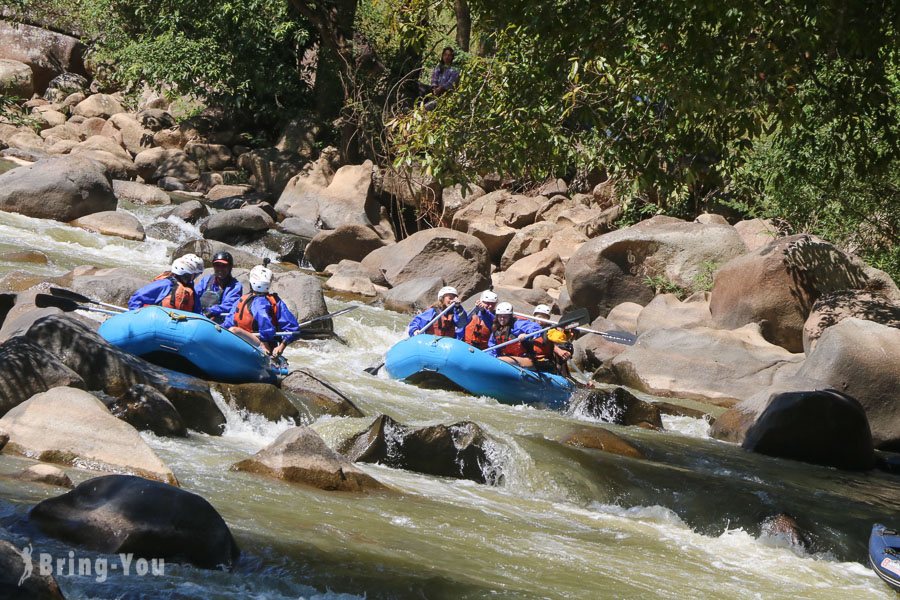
{"points": [[478, 331], [552, 349], [259, 315], [221, 286], [507, 327], [452, 324], [173, 289]]}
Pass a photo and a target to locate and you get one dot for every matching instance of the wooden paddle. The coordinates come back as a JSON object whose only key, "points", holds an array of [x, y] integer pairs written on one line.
{"points": [[618, 337]]}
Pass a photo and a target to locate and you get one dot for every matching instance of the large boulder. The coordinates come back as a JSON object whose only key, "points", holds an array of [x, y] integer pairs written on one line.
{"points": [[592, 350], [522, 272], [262, 399], [112, 222], [145, 408], [115, 159], [315, 396], [459, 258], [209, 157], [347, 199], [617, 406], [63, 188], [36, 586], [862, 359], [304, 297], [70, 426], [348, 241], [527, 241], [613, 268], [349, 278], [26, 370], [494, 218], [625, 316], [270, 169], [777, 284], [156, 163], [299, 455], [461, 450], [757, 232], [823, 427], [232, 226], [712, 365], [125, 129], [833, 307], [107, 368], [98, 105], [190, 212], [666, 310], [457, 197], [413, 296], [207, 249], [16, 78], [113, 286], [47, 53], [122, 514]]}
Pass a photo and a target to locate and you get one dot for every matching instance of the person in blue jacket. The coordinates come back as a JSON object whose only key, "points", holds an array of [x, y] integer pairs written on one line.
{"points": [[506, 327], [453, 324], [172, 289], [221, 284], [259, 315]]}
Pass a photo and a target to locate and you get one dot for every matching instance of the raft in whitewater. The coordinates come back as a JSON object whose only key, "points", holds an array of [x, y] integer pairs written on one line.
{"points": [[189, 343], [884, 555], [438, 360]]}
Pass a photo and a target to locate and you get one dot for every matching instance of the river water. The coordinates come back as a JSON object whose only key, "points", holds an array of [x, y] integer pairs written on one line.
{"points": [[559, 522]]}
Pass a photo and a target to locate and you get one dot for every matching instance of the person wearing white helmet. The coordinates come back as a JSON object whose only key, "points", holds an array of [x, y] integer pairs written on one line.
{"points": [[506, 327], [172, 289], [551, 350], [195, 262], [478, 331], [451, 324], [259, 315]]}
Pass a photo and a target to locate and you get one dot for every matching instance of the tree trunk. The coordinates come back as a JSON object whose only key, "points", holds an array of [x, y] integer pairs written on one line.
{"points": [[463, 24]]}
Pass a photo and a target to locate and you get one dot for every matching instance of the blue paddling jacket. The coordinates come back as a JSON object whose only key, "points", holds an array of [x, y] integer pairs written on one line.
{"points": [[160, 293], [258, 317], [228, 297], [519, 327], [453, 324]]}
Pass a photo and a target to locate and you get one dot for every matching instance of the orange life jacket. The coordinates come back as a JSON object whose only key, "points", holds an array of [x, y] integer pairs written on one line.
{"points": [[243, 317], [445, 326], [477, 333], [541, 347], [180, 298], [163, 275], [511, 350]]}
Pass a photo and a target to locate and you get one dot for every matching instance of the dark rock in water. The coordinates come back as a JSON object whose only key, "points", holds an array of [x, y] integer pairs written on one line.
{"points": [[299, 455], [240, 200], [824, 427], [144, 408], [618, 406], [123, 513], [172, 184], [164, 230], [206, 249], [190, 211], [460, 450], [7, 301], [785, 527], [888, 462], [263, 399], [107, 368], [4, 439], [12, 570], [299, 227], [316, 396], [27, 369], [600, 439], [289, 248]]}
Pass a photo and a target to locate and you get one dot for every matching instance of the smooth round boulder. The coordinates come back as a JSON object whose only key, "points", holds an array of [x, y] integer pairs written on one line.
{"points": [[46, 474], [303, 295], [833, 307], [413, 296], [145, 408], [232, 226], [35, 587], [112, 222], [139, 193], [191, 211], [16, 78], [120, 513], [26, 370], [98, 105], [125, 129], [823, 427], [614, 267], [64, 189], [349, 241], [316, 396]]}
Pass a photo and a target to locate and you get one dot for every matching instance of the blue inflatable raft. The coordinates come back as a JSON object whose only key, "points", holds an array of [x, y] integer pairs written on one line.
{"points": [[884, 555], [189, 343], [441, 360]]}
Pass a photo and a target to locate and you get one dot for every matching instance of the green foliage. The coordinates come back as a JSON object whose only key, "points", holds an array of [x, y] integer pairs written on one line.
{"points": [[11, 112], [663, 285], [703, 280]]}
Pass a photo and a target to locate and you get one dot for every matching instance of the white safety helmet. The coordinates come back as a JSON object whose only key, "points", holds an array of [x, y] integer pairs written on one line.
{"points": [[447, 289], [260, 279], [180, 267], [194, 262], [541, 309], [489, 296], [504, 308]]}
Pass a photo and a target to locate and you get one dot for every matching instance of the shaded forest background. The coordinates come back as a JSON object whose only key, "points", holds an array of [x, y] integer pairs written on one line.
{"points": [[782, 109]]}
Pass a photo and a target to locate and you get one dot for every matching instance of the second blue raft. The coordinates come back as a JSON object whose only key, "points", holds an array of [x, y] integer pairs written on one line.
{"points": [[189, 343], [443, 359]]}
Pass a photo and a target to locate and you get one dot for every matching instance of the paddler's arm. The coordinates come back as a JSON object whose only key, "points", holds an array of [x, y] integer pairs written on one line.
{"points": [[287, 323], [230, 297], [152, 293], [420, 321]]}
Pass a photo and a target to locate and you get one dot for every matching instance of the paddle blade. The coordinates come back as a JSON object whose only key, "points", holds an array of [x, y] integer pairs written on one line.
{"points": [[373, 370], [69, 294], [48, 301], [620, 337]]}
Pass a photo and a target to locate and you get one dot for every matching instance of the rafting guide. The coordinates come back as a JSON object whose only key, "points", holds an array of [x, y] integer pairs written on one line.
{"points": [[99, 568]]}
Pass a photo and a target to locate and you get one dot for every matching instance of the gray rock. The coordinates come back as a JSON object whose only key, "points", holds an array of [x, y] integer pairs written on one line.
{"points": [[138, 193], [303, 295], [47, 53], [262, 399], [206, 249], [145, 408], [413, 296], [26, 370], [16, 78], [316, 396], [36, 587], [190, 211], [232, 226], [348, 241]]}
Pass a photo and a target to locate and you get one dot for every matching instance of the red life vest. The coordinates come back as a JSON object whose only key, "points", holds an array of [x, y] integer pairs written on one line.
{"points": [[163, 275], [445, 326], [511, 350], [477, 333], [243, 317], [181, 297], [541, 347]]}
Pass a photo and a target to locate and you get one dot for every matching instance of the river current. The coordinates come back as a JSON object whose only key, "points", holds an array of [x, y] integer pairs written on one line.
{"points": [[559, 522]]}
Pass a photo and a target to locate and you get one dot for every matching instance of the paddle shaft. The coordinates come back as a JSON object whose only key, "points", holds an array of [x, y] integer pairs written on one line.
{"points": [[565, 322], [76, 297], [316, 320], [620, 337], [46, 300], [442, 313]]}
